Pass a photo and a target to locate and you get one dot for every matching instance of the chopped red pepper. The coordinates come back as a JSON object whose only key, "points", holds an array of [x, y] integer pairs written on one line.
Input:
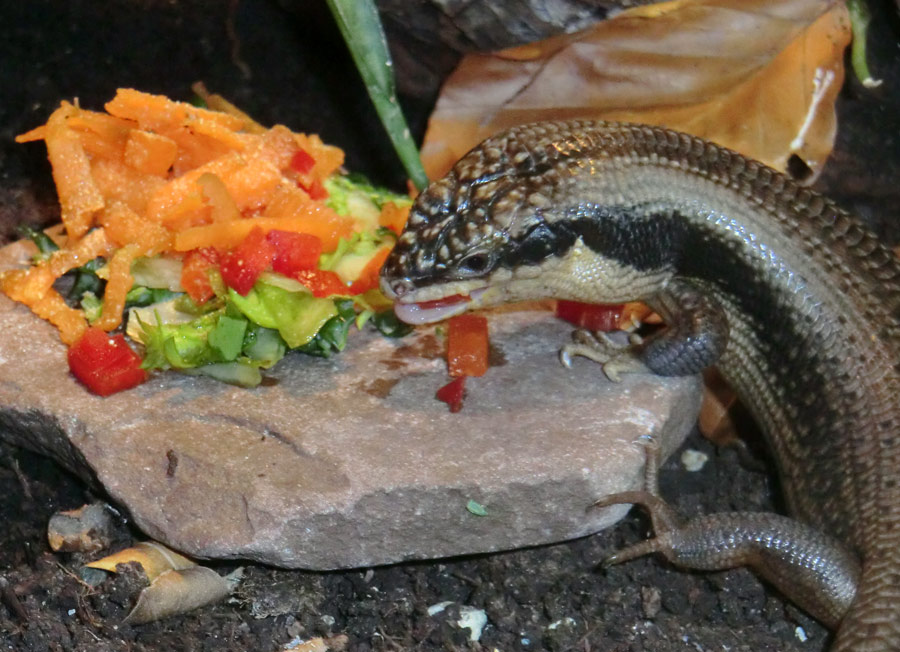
{"points": [[467, 345], [105, 363], [316, 190], [294, 251], [368, 278], [195, 273], [592, 316], [322, 283], [242, 266], [452, 393], [302, 162]]}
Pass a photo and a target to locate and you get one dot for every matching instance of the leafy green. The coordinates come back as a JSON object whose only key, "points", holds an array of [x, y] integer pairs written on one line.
{"points": [[140, 296], [361, 28], [227, 338], [42, 241], [388, 325], [86, 279], [297, 316], [92, 306], [242, 373], [332, 336], [263, 345], [349, 191]]}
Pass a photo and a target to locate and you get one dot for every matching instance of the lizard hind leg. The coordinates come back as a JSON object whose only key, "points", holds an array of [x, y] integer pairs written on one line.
{"points": [[812, 569]]}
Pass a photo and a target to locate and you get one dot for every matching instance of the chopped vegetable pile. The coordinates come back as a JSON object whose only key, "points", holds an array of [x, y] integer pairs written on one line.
{"points": [[216, 244]]}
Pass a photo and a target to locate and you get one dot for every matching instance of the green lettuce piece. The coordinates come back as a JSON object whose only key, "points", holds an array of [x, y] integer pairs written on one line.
{"points": [[179, 345], [140, 296], [227, 337], [42, 241], [332, 336], [387, 323], [92, 306], [350, 193], [241, 373], [263, 345], [297, 316]]}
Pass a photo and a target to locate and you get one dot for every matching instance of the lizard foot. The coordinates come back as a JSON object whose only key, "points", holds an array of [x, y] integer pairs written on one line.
{"points": [[815, 571], [615, 357]]}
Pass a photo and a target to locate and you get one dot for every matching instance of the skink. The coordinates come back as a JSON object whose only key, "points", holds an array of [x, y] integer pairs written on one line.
{"points": [[794, 300]]}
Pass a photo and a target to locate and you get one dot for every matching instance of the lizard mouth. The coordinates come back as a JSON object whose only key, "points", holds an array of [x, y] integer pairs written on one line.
{"points": [[428, 312]]}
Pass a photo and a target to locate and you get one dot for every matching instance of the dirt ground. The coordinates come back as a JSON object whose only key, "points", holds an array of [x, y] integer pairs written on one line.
{"points": [[289, 69]]}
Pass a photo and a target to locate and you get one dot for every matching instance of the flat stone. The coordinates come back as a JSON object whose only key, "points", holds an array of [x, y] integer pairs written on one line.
{"points": [[350, 461]]}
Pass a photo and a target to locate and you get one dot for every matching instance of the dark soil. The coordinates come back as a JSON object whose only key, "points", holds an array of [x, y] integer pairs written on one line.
{"points": [[290, 68]]}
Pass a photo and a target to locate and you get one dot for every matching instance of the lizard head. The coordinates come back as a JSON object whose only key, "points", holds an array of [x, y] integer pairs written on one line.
{"points": [[470, 234]]}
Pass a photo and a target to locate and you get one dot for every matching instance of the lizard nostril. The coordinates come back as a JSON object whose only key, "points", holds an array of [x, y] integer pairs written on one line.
{"points": [[400, 287]]}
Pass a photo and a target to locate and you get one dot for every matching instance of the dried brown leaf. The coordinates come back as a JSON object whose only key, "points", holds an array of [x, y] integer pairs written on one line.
{"points": [[178, 591], [153, 557], [759, 76], [715, 421]]}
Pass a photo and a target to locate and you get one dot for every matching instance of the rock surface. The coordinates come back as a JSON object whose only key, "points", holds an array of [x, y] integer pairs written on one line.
{"points": [[349, 461]]}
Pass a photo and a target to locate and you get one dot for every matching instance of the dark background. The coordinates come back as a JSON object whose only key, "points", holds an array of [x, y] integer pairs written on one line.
{"points": [[285, 63]]}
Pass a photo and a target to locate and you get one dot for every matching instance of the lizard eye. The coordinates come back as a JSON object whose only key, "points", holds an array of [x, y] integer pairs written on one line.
{"points": [[474, 264]]}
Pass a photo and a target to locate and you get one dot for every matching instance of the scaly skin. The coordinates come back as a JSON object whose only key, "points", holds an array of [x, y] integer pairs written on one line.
{"points": [[802, 309]]}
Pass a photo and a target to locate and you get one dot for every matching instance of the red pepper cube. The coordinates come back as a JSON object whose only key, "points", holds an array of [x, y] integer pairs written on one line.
{"points": [[294, 251], [195, 269], [453, 393], [242, 266], [322, 283], [592, 316], [105, 363], [467, 345], [316, 190], [302, 162]]}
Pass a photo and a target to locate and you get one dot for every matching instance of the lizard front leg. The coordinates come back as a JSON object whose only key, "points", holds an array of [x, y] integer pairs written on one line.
{"points": [[695, 336]]}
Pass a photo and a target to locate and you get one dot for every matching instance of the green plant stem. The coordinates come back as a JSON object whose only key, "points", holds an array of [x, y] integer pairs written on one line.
{"points": [[859, 22], [361, 28]]}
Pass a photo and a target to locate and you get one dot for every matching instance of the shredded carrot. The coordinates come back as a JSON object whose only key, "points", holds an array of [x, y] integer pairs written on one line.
{"points": [[319, 221], [394, 217], [154, 176], [78, 195], [150, 153], [117, 286]]}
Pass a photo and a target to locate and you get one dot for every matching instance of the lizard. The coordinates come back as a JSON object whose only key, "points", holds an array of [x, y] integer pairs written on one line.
{"points": [[793, 299]]}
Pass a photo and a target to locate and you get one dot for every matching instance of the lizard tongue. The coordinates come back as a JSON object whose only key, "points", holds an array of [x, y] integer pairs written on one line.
{"points": [[428, 312]]}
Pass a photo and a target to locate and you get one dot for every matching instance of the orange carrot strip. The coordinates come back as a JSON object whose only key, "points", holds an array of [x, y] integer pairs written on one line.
{"points": [[123, 225], [118, 285], [150, 153], [152, 111], [70, 322], [176, 191], [38, 133], [78, 195], [220, 200], [328, 158], [316, 220], [101, 135], [220, 133], [117, 181], [78, 253], [251, 185], [394, 217], [277, 145]]}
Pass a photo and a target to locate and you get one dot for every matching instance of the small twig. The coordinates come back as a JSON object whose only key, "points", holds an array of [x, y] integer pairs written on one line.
{"points": [[235, 40], [23, 479]]}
